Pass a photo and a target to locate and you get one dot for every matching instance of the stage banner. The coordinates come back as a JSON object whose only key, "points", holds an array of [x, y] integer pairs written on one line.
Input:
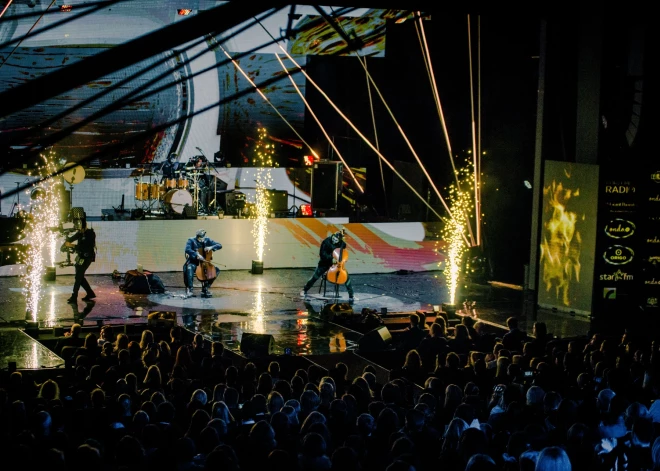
{"points": [[617, 271], [568, 238], [649, 285]]}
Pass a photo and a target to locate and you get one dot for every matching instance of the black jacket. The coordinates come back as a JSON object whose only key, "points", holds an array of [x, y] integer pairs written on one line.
{"points": [[86, 247], [325, 252]]}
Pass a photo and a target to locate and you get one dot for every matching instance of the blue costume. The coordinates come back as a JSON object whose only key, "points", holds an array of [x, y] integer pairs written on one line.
{"points": [[194, 257]]}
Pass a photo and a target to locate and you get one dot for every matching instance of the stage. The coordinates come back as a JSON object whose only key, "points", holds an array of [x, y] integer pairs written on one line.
{"points": [[269, 303]]}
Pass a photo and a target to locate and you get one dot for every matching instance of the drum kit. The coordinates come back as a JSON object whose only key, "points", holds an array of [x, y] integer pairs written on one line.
{"points": [[171, 187]]}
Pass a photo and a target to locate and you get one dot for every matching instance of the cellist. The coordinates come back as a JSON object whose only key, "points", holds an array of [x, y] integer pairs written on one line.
{"points": [[326, 260], [194, 257]]}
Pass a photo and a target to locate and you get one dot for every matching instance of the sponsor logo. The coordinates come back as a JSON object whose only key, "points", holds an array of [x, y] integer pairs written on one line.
{"points": [[654, 259], [619, 189], [652, 301], [655, 198], [652, 281], [618, 255], [609, 293], [619, 228], [655, 240], [616, 276], [656, 176]]}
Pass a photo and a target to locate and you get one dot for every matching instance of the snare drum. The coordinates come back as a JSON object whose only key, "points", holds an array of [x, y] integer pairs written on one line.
{"points": [[182, 184], [156, 191], [141, 191], [170, 183], [176, 200]]}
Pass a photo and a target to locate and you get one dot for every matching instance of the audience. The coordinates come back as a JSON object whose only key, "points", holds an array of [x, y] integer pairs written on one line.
{"points": [[461, 399]]}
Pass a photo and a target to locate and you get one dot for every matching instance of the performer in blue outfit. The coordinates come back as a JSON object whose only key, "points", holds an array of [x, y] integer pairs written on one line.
{"points": [[194, 257]]}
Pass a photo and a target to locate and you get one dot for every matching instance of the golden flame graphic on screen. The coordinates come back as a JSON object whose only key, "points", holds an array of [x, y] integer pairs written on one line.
{"points": [[560, 249]]}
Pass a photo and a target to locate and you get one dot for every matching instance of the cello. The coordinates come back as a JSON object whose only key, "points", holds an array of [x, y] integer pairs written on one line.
{"points": [[337, 273], [206, 270]]}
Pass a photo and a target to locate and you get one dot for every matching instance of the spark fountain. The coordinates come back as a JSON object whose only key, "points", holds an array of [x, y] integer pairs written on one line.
{"points": [[264, 160], [454, 233], [42, 242]]}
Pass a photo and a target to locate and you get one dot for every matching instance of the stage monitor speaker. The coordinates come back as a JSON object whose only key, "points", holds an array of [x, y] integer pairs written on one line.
{"points": [[326, 185], [279, 200], [256, 345], [234, 202], [189, 212], [375, 340]]}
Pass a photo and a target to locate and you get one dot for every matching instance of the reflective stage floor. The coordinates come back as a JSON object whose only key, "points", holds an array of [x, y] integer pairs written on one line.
{"points": [[269, 303]]}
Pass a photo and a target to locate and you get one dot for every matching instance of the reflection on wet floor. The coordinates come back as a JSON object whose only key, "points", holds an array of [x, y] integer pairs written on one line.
{"points": [[268, 304]]}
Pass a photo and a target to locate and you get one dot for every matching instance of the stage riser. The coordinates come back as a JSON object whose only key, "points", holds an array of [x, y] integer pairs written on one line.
{"points": [[291, 243]]}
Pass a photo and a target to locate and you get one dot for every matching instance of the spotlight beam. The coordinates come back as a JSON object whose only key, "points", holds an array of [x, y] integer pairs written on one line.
{"points": [[364, 138], [5, 8], [346, 38], [265, 98], [318, 121], [475, 150], [26, 35]]}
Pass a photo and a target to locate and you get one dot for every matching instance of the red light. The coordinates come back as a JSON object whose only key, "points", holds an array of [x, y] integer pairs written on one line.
{"points": [[305, 209], [184, 11], [308, 160], [66, 7]]}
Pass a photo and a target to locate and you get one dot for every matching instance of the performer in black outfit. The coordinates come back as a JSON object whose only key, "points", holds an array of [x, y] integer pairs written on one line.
{"points": [[85, 251], [169, 167], [193, 257], [326, 260]]}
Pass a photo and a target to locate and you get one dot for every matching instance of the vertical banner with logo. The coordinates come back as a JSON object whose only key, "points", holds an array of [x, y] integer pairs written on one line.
{"points": [[649, 292], [568, 238], [617, 253]]}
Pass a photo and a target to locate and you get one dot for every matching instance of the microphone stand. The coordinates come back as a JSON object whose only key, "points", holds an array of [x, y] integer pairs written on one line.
{"points": [[293, 207]]}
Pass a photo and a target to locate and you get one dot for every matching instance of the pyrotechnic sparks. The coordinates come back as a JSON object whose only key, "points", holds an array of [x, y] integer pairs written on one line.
{"points": [[42, 242], [263, 159], [455, 229]]}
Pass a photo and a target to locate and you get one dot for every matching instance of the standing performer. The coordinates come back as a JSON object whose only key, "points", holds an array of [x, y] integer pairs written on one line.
{"points": [[194, 257], [85, 254], [326, 260]]}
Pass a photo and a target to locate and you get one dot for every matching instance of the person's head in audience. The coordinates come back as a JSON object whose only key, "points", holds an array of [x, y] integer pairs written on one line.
{"points": [[297, 386], [313, 418], [217, 349], [274, 370], [153, 379], [345, 458], [265, 384], [200, 396], [553, 458], [166, 412], [135, 351], [221, 411], [218, 392], [461, 332], [502, 367], [274, 402], [97, 398], [198, 421], [208, 440], [164, 350], [291, 415], [231, 398], [284, 388], [414, 321], [91, 342], [422, 320], [309, 401], [150, 409], [49, 390], [198, 341], [125, 403], [481, 462], [223, 457], [146, 339], [151, 437], [512, 323], [439, 320], [452, 361], [121, 343], [413, 361], [386, 424], [129, 453], [262, 437]]}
